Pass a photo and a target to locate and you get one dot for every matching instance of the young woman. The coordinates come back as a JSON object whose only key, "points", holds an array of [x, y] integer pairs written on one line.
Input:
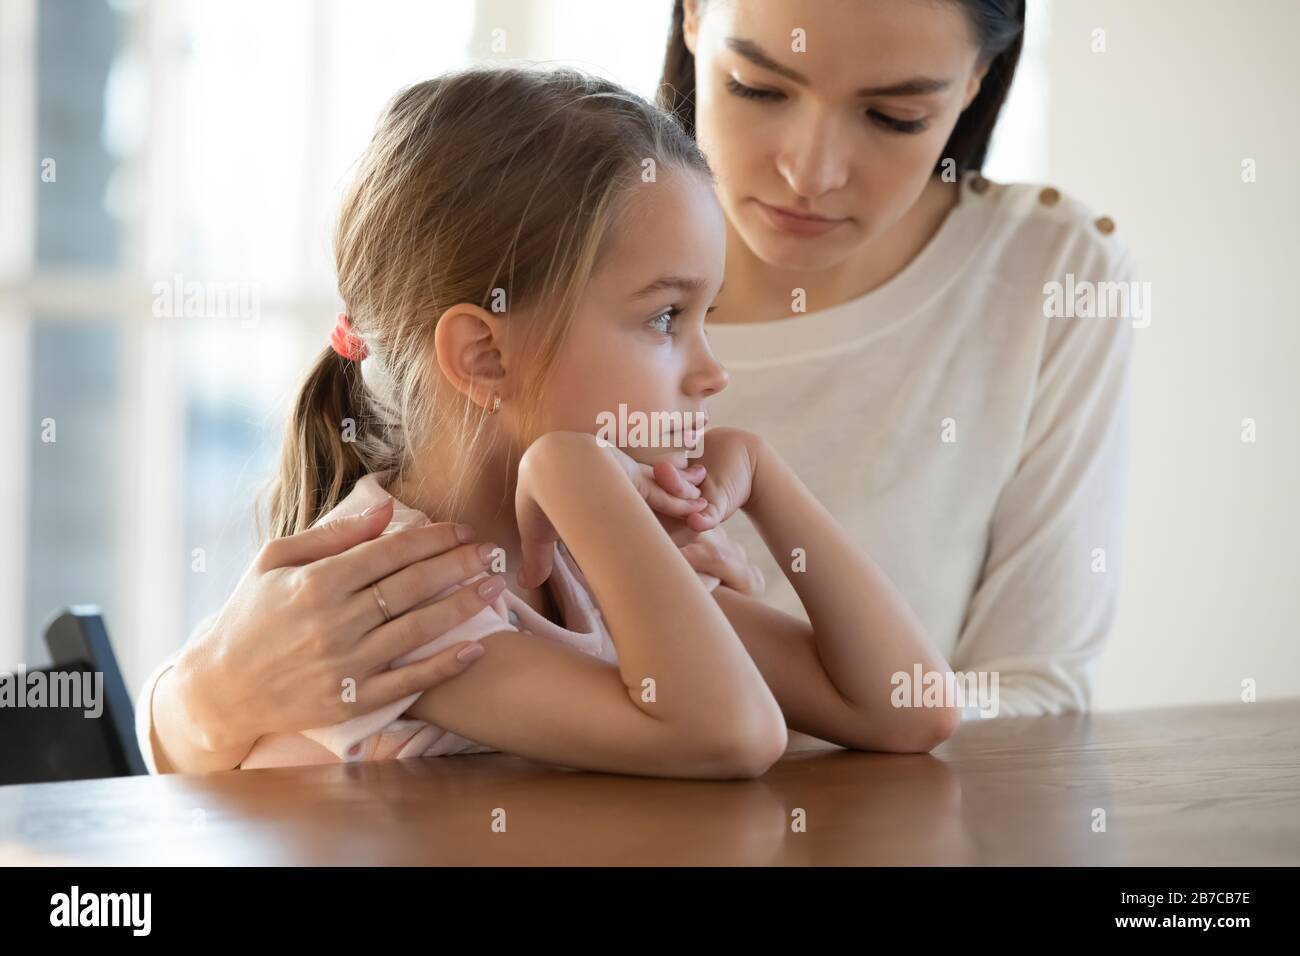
{"points": [[885, 321]]}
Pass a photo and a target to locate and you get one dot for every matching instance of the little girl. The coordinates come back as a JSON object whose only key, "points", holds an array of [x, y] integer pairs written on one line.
{"points": [[522, 255]]}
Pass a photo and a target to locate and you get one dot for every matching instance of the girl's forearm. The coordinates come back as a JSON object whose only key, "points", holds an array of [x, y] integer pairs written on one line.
{"points": [[864, 630], [666, 625]]}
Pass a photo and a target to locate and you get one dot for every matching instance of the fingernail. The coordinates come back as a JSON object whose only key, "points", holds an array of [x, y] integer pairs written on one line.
{"points": [[465, 534], [374, 508], [485, 552], [466, 654], [492, 587]]}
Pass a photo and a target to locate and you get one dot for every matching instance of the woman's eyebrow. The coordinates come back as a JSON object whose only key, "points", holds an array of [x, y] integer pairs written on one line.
{"points": [[915, 86]]}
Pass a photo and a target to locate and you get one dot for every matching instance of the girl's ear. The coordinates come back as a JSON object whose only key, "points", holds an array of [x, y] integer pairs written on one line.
{"points": [[468, 343]]}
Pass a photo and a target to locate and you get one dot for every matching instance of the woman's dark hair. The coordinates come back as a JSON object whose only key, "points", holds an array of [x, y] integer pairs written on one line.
{"points": [[999, 27]]}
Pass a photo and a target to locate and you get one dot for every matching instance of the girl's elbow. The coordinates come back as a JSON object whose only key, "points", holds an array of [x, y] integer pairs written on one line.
{"points": [[923, 735], [742, 756], [758, 756], [920, 732]]}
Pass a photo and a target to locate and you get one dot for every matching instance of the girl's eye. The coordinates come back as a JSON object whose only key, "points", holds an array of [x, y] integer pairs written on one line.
{"points": [[749, 92], [895, 124], [669, 318]]}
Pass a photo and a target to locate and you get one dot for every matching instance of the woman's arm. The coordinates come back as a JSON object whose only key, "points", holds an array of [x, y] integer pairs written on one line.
{"points": [[177, 741], [833, 677], [1048, 591], [685, 700]]}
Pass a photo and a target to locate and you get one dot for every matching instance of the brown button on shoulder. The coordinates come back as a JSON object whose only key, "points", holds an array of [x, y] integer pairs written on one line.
{"points": [[1049, 196], [979, 184], [1105, 225]]}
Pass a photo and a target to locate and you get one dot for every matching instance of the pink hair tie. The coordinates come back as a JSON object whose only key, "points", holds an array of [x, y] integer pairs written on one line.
{"points": [[346, 342]]}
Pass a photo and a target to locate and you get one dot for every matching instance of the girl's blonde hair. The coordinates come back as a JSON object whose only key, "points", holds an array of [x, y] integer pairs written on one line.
{"points": [[483, 186]]}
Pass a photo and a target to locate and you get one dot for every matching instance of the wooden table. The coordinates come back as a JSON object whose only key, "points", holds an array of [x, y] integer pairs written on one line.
{"points": [[1193, 786]]}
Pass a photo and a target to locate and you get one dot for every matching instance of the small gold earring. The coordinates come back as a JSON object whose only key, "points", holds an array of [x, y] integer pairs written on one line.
{"points": [[496, 404]]}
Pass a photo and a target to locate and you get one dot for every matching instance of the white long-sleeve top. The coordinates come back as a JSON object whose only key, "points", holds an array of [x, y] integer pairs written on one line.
{"points": [[974, 447]]}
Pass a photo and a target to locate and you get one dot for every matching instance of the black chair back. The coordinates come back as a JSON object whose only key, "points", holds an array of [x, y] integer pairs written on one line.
{"points": [[74, 719]]}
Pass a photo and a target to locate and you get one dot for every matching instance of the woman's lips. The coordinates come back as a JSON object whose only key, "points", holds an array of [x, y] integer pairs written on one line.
{"points": [[797, 225]]}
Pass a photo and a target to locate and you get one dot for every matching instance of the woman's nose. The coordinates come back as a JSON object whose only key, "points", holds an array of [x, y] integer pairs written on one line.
{"points": [[814, 160]]}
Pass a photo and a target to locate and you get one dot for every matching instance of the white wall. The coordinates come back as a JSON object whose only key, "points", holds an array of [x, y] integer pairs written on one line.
{"points": [[1153, 132]]}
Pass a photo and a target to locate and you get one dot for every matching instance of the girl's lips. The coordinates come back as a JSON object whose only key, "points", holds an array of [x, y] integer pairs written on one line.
{"points": [[690, 437], [796, 225], [687, 438]]}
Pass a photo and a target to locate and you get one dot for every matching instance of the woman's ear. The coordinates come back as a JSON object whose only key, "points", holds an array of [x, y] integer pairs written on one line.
{"points": [[690, 24], [468, 343], [973, 85]]}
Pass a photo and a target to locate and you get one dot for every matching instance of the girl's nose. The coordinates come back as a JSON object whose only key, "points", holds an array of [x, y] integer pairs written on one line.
{"points": [[709, 380]]}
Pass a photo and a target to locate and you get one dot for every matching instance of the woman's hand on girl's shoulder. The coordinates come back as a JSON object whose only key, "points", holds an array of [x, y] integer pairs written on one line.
{"points": [[306, 621]]}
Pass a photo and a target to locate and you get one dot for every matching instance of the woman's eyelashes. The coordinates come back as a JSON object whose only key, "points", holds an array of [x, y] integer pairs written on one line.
{"points": [[884, 120], [896, 124], [750, 92]]}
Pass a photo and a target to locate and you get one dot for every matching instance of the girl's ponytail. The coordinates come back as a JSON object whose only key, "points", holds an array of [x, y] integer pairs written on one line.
{"points": [[320, 459]]}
